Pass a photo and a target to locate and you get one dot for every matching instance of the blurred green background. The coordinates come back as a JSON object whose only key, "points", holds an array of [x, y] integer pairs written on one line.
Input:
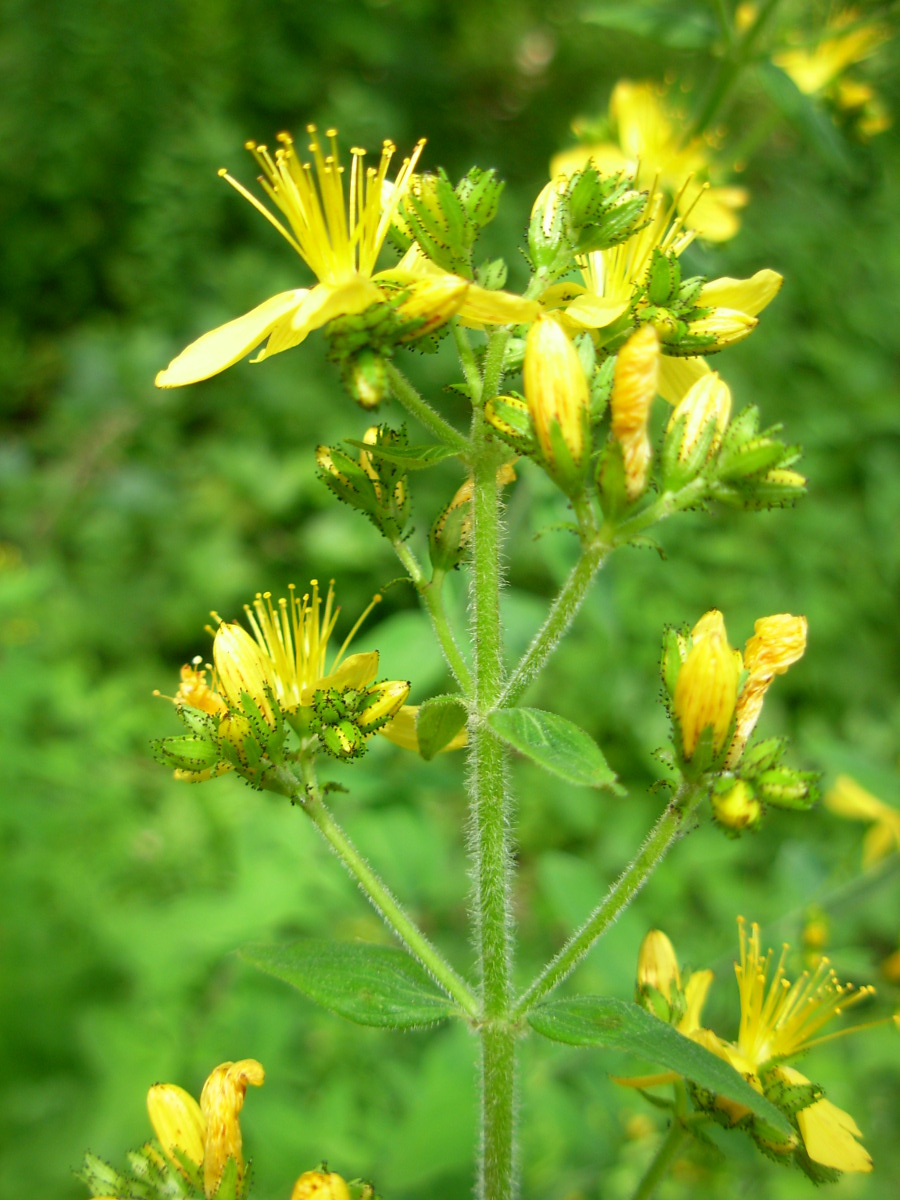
{"points": [[127, 514]]}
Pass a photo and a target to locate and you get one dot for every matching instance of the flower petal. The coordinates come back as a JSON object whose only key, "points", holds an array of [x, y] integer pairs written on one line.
{"points": [[678, 375], [595, 312], [222, 347], [356, 671], [829, 1134], [714, 215], [319, 306], [482, 306], [748, 296]]}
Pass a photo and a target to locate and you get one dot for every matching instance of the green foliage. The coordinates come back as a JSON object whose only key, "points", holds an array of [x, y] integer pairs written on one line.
{"points": [[556, 744], [616, 1025], [372, 985], [129, 513]]}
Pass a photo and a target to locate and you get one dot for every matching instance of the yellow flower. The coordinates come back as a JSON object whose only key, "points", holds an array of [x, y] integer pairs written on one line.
{"points": [[737, 808], [848, 799], [778, 1020], [612, 279], [635, 384], [829, 1134], [207, 1134], [845, 40], [650, 140], [338, 235], [478, 306], [778, 642], [707, 685]]}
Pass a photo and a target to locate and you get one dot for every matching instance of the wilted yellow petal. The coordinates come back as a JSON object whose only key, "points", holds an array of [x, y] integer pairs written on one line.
{"points": [[222, 347], [221, 1101]]}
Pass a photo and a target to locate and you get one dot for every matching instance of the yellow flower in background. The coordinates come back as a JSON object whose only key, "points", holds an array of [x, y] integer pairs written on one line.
{"points": [[848, 799], [207, 1134], [777, 643], [846, 39], [649, 139]]}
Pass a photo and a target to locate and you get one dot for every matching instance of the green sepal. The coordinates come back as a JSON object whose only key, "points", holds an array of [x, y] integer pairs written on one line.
{"points": [[663, 279], [785, 787], [762, 757], [479, 192], [601, 384], [676, 472], [492, 274], [611, 480], [448, 538], [675, 643], [186, 753], [393, 446], [438, 219], [510, 418], [201, 723]]}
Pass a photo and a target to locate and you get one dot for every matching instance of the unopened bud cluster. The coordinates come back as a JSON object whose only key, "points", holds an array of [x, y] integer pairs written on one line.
{"points": [[374, 483], [716, 695]]}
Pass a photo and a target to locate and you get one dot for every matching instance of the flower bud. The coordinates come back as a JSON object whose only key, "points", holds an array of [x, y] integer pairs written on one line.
{"points": [[558, 396], [634, 389], [364, 375], [177, 1122], [736, 808], [657, 965], [381, 703], [707, 402], [320, 1185], [707, 684], [777, 642], [221, 1101], [242, 667], [432, 301]]}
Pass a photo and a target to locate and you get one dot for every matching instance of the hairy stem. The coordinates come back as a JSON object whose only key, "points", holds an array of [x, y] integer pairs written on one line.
{"points": [[673, 823], [662, 1160], [490, 816], [561, 615], [422, 410], [381, 899], [431, 592]]}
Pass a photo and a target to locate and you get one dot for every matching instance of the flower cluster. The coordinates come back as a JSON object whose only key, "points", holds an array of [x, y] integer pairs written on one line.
{"points": [[198, 1152], [280, 676], [779, 1020]]}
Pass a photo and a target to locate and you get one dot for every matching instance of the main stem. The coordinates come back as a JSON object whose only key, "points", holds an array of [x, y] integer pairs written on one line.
{"points": [[488, 790]]}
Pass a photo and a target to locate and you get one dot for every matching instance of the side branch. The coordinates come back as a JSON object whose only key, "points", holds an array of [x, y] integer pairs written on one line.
{"points": [[381, 899], [673, 823]]}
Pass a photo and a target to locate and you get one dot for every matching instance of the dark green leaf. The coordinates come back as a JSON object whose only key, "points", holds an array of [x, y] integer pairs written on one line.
{"points": [[558, 745], [617, 1025], [372, 985], [414, 458], [808, 116], [438, 722]]}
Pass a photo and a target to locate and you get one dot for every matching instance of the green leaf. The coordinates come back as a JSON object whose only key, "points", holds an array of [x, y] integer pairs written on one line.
{"points": [[414, 458], [372, 985], [808, 116], [438, 722], [618, 1025], [683, 28], [555, 744]]}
